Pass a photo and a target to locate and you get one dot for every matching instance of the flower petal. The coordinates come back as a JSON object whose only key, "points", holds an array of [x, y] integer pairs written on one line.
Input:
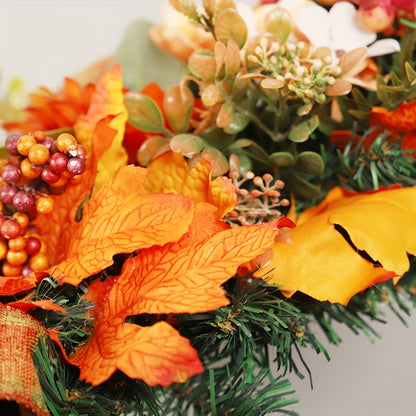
{"points": [[383, 47]]}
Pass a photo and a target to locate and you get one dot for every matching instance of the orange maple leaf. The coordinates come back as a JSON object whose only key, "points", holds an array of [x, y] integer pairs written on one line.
{"points": [[181, 277], [119, 220]]}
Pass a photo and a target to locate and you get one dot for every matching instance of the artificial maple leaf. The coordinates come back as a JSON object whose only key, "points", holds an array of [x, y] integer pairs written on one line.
{"points": [[170, 173], [108, 100], [347, 243], [181, 277], [117, 219]]}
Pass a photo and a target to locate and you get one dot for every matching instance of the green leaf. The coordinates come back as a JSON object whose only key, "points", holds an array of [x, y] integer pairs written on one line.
{"points": [[144, 113], [310, 162], [301, 132], [143, 63], [230, 25], [250, 148], [239, 122], [282, 159], [187, 144]]}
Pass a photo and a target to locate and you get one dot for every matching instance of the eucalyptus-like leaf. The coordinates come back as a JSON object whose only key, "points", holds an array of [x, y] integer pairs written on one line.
{"points": [[230, 25], [202, 64], [220, 162], [238, 123], [282, 159], [273, 83], [279, 22], [143, 112], [137, 53], [310, 162], [151, 148], [178, 103], [187, 144], [301, 132], [250, 148], [301, 187], [232, 59]]}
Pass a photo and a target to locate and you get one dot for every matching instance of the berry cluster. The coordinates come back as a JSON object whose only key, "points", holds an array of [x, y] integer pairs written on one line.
{"points": [[38, 167]]}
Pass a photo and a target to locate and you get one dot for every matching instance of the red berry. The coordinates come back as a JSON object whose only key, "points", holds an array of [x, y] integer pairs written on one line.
{"points": [[7, 193], [23, 201], [33, 246], [76, 166], [58, 162], [11, 143], [49, 176], [10, 229], [26, 271], [11, 173]]}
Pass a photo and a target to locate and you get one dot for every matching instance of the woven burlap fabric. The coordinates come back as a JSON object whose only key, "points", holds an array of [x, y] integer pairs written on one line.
{"points": [[19, 334]]}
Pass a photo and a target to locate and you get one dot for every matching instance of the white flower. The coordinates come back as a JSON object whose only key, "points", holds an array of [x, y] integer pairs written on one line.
{"points": [[339, 28]]}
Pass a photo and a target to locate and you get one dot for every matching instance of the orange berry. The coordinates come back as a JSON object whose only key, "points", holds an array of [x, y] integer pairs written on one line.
{"points": [[66, 142], [60, 182], [38, 262], [17, 244], [38, 154], [16, 258], [21, 218], [3, 249], [28, 170], [45, 205], [10, 270], [39, 136], [24, 143]]}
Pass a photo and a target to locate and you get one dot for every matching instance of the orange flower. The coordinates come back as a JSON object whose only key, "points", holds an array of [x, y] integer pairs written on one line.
{"points": [[347, 243], [401, 125], [49, 111]]}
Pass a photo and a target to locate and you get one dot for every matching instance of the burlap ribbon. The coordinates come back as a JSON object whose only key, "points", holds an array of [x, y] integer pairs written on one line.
{"points": [[19, 334]]}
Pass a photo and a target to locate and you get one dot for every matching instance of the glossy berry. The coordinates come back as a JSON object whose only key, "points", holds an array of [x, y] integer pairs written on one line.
{"points": [[58, 162], [11, 143], [49, 176], [66, 142], [7, 193], [10, 229], [10, 270], [25, 143], [3, 249], [23, 201], [38, 154], [38, 262], [11, 173], [39, 136], [21, 218], [49, 142], [17, 244], [45, 205], [28, 170], [26, 271], [81, 152], [33, 246], [16, 258], [76, 166]]}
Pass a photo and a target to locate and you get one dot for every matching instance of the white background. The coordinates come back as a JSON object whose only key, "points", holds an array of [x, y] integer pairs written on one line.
{"points": [[43, 41]]}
